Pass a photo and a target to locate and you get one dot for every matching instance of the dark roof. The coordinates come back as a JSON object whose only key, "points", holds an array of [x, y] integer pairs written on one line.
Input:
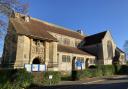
{"points": [[62, 48], [94, 39], [36, 24], [119, 50], [31, 29]]}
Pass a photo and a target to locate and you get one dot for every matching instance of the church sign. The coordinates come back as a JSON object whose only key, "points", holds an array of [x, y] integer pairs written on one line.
{"points": [[35, 67]]}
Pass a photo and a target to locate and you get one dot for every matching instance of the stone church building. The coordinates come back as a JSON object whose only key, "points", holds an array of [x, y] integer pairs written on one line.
{"points": [[32, 41]]}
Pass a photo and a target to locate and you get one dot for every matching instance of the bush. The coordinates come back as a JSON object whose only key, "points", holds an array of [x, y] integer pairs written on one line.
{"points": [[101, 70], [106, 69], [42, 78], [15, 79], [22, 78], [77, 74], [123, 70], [55, 79]]}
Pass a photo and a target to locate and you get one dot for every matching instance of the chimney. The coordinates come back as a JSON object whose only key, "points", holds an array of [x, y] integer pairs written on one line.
{"points": [[15, 15], [80, 31], [27, 18]]}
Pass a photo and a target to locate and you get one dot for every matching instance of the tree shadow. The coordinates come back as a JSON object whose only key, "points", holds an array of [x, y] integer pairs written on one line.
{"points": [[122, 85]]}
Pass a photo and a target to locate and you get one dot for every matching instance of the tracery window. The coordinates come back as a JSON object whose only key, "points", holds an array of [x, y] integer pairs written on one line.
{"points": [[110, 50]]}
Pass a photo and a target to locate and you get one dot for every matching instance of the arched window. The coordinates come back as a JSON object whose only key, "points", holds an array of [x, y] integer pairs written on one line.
{"points": [[110, 50]]}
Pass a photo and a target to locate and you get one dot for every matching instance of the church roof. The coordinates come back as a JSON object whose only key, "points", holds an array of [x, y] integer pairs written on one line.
{"points": [[58, 29], [31, 29], [94, 39], [68, 49], [119, 50], [40, 28]]}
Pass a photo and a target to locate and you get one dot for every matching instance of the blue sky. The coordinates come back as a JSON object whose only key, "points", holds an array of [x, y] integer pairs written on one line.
{"points": [[91, 16]]}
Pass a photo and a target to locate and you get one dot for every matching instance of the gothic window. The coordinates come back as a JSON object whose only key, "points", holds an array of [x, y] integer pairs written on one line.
{"points": [[122, 56], [110, 50]]}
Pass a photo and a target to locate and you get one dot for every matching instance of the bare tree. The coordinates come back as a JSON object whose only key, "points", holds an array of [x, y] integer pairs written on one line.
{"points": [[6, 9], [126, 48]]}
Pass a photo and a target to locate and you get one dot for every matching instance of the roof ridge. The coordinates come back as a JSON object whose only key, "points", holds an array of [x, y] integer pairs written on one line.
{"points": [[54, 25], [97, 33]]}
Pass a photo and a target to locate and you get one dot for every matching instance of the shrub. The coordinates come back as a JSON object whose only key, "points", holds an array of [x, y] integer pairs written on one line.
{"points": [[55, 79], [100, 70], [106, 69], [42, 78], [77, 74], [123, 70], [15, 79], [23, 78]]}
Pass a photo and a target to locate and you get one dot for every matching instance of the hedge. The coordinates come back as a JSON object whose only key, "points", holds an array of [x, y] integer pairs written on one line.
{"points": [[123, 70], [106, 70], [100, 70], [20, 78]]}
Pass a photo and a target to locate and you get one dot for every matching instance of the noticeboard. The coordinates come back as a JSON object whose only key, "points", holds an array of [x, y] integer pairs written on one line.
{"points": [[35, 67]]}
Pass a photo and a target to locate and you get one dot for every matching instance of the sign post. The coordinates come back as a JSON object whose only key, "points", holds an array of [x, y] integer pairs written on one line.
{"points": [[50, 78]]}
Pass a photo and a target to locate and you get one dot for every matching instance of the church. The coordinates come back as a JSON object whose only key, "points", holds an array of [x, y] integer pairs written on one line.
{"points": [[32, 41]]}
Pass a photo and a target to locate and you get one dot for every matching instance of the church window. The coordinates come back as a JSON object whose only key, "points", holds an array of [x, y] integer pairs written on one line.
{"points": [[110, 50], [122, 56], [66, 58], [66, 41], [81, 59]]}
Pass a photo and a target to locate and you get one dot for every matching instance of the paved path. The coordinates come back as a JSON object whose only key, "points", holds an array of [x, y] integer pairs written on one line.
{"points": [[118, 82]]}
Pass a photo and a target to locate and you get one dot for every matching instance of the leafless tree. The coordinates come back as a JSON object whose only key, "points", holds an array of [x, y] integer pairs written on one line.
{"points": [[126, 48], [6, 9]]}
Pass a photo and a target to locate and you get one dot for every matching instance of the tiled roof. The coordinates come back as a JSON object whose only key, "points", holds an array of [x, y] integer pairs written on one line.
{"points": [[94, 39], [38, 25], [31, 29], [57, 29], [62, 48]]}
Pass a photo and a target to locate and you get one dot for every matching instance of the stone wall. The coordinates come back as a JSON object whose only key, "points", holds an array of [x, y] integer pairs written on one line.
{"points": [[60, 38], [107, 38], [100, 50], [20, 52], [10, 47], [67, 66]]}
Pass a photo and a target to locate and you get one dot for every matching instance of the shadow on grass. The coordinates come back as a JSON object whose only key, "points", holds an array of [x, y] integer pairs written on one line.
{"points": [[122, 78], [123, 85], [67, 78]]}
